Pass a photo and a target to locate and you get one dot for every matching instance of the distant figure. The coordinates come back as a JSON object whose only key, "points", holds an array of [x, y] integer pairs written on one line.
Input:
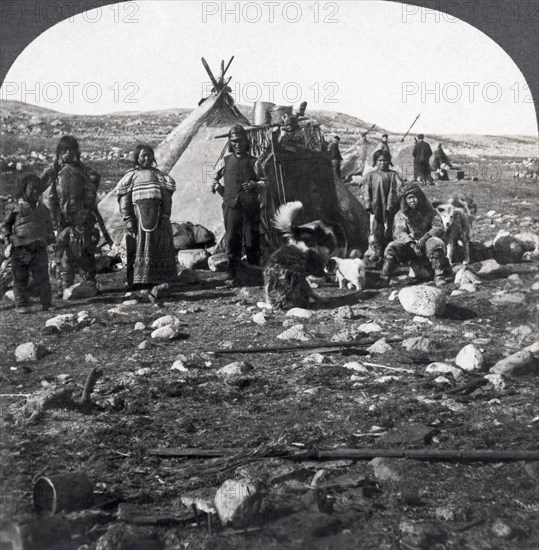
{"points": [[145, 198], [417, 233], [72, 200], [335, 157], [382, 146], [28, 229], [242, 178], [441, 164], [422, 153], [382, 196]]}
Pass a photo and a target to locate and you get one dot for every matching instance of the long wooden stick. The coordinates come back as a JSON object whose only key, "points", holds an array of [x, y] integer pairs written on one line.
{"points": [[295, 347], [358, 454]]}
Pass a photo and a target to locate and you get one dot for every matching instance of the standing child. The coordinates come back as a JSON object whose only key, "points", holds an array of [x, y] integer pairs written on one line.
{"points": [[28, 228]]}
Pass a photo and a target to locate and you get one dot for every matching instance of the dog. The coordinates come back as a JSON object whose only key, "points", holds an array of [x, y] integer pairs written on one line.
{"points": [[457, 230], [348, 271], [304, 253]]}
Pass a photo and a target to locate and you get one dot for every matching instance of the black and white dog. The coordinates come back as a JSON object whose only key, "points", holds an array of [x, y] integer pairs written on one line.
{"points": [[305, 253]]}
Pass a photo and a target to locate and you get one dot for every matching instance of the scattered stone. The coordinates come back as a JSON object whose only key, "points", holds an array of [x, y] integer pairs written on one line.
{"points": [[346, 335], [520, 363], [490, 213], [515, 279], [379, 347], [522, 332], [166, 320], [469, 288], [470, 358], [444, 368], [387, 379], [63, 378], [143, 372], [488, 267], [423, 300], [193, 259], [457, 293], [144, 345], [344, 312], [300, 313], [130, 303], [10, 295], [466, 277], [89, 358], [370, 327], [385, 469], [317, 358], [169, 332], [393, 296], [61, 323], [218, 262], [179, 366], [297, 332], [235, 369], [140, 326], [508, 299], [260, 318], [496, 380], [535, 286], [29, 352], [420, 343], [442, 380], [237, 502], [356, 367], [419, 319], [501, 529], [80, 291], [290, 322], [248, 296]]}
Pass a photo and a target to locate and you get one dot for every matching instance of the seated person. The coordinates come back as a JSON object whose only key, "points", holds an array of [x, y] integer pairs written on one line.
{"points": [[418, 230]]}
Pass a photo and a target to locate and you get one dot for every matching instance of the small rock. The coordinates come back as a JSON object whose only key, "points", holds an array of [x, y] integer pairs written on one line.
{"points": [[520, 363], [218, 263], [490, 213], [379, 347], [61, 323], [513, 298], [166, 320], [80, 291], [469, 288], [370, 328], [496, 380], [140, 326], [169, 332], [470, 358], [260, 318], [317, 358], [515, 279], [442, 380], [420, 343], [457, 293], [356, 366], [29, 352], [423, 300], [393, 296], [179, 366], [144, 345], [501, 529], [130, 303], [296, 332], [300, 313], [193, 259], [466, 277], [444, 368], [63, 378], [10, 295], [235, 369], [344, 312], [237, 502], [535, 286], [387, 379], [89, 358], [143, 372], [489, 267], [421, 320]]}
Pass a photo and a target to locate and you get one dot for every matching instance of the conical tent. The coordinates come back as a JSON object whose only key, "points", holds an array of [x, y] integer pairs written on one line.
{"points": [[189, 154]]}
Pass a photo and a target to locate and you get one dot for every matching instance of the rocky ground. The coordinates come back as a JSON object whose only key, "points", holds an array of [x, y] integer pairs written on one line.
{"points": [[179, 393]]}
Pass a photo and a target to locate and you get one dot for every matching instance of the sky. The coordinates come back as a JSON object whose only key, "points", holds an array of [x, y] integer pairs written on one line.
{"points": [[383, 62]]}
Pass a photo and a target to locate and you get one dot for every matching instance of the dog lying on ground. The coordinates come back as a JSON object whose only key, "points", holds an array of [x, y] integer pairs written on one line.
{"points": [[304, 253], [347, 271]]}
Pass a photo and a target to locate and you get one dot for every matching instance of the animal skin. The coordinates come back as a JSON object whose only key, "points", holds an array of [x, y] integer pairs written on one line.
{"points": [[347, 271], [303, 253]]}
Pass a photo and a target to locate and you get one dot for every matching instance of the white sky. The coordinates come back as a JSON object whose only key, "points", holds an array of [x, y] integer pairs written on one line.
{"points": [[149, 52]]}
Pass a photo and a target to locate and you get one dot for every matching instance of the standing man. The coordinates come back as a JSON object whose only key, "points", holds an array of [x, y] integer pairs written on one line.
{"points": [[335, 157], [422, 153], [242, 179], [382, 200], [382, 146]]}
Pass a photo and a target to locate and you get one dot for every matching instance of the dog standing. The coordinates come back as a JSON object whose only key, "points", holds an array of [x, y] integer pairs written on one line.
{"points": [[347, 271], [457, 230], [303, 254]]}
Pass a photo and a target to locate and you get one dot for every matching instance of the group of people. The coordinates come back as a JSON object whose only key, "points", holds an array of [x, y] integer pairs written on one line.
{"points": [[60, 207]]}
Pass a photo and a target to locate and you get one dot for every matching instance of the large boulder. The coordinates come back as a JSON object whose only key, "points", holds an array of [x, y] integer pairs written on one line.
{"points": [[237, 502], [29, 352], [182, 233], [193, 259], [423, 300], [80, 291]]}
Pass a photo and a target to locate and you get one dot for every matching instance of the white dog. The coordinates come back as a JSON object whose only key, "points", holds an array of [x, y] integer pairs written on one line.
{"points": [[351, 271]]}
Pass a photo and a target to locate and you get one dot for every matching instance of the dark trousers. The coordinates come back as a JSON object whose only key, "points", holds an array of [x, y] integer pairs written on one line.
{"points": [[382, 233], [26, 260], [424, 171], [242, 226]]}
